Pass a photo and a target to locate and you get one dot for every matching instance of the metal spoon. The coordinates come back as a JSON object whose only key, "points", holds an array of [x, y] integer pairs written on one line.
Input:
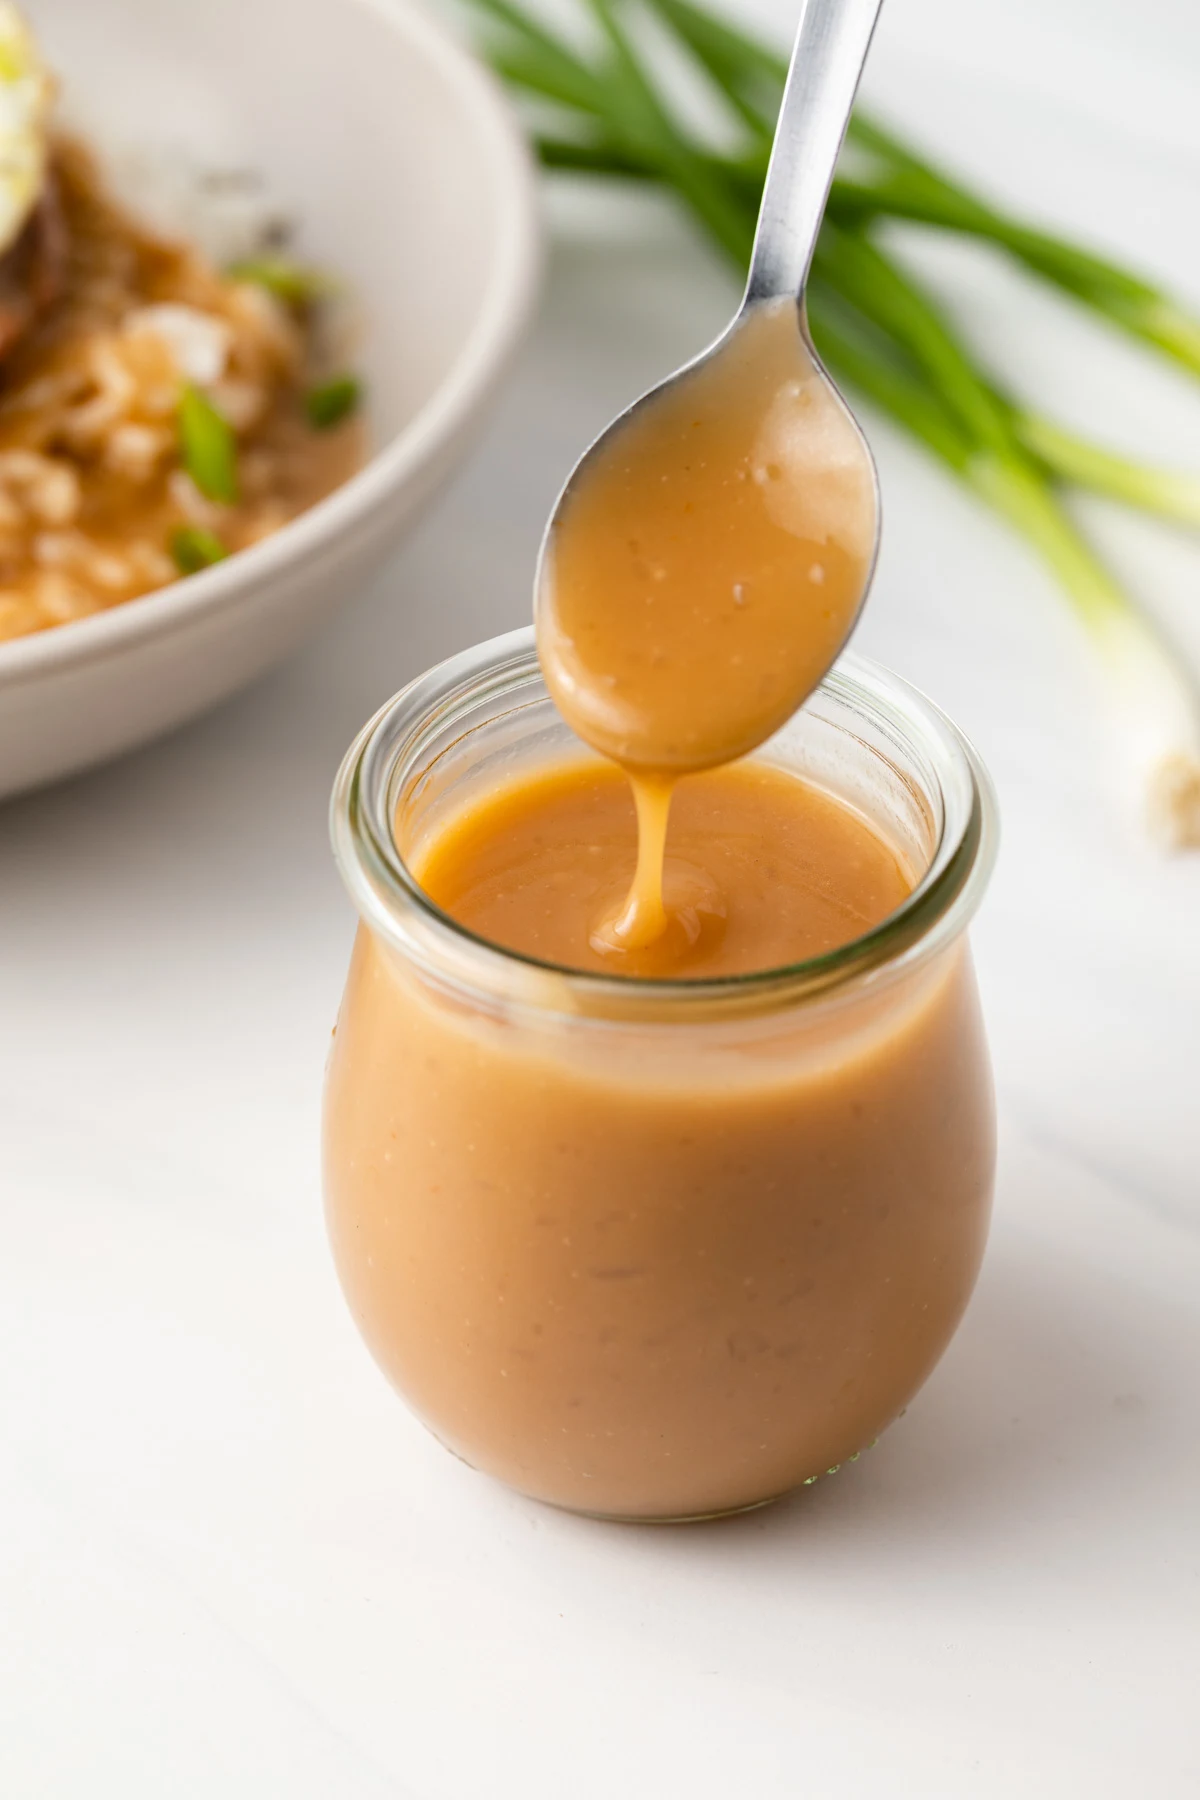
{"points": [[598, 700]]}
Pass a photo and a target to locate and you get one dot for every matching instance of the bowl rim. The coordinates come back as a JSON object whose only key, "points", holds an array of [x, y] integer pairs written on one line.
{"points": [[505, 303]]}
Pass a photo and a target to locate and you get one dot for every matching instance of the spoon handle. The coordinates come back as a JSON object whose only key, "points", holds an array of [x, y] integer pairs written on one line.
{"points": [[832, 40]]}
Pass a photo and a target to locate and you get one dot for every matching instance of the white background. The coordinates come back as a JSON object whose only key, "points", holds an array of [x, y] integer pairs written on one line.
{"points": [[230, 1564]]}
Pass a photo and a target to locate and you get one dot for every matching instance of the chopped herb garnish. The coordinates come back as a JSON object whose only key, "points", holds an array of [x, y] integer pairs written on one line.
{"points": [[292, 282], [333, 401], [194, 549], [208, 447]]}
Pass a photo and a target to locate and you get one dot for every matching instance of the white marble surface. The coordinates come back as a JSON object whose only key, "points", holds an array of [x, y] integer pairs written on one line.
{"points": [[230, 1564]]}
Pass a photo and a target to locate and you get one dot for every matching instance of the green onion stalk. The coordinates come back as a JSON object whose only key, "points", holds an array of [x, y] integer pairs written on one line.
{"points": [[601, 111]]}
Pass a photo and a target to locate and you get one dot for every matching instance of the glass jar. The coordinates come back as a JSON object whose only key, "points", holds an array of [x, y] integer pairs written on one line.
{"points": [[657, 1249]]}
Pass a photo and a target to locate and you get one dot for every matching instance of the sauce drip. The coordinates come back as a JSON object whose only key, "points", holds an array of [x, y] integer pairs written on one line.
{"points": [[764, 870], [704, 573]]}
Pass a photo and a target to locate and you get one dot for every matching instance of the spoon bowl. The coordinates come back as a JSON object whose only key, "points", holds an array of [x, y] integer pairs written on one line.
{"points": [[708, 556]]}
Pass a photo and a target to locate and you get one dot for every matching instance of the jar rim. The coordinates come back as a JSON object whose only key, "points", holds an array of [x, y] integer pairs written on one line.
{"points": [[393, 904]]}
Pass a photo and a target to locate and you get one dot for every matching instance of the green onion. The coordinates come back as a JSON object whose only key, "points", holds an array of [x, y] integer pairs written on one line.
{"points": [[1167, 492], [645, 122], [333, 401], [749, 74], [193, 549], [985, 444], [905, 186], [1154, 696], [208, 447], [294, 283], [882, 333]]}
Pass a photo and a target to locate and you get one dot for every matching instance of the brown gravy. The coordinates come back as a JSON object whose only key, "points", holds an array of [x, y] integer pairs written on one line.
{"points": [[762, 871], [657, 1278]]}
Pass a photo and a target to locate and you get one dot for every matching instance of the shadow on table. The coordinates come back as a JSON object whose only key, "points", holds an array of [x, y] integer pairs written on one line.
{"points": [[1044, 1400]]}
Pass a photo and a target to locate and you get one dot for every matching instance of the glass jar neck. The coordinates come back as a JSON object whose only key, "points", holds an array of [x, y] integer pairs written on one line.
{"points": [[866, 726]]}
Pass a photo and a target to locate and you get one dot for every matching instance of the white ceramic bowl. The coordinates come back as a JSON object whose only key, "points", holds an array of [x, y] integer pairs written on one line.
{"points": [[396, 155]]}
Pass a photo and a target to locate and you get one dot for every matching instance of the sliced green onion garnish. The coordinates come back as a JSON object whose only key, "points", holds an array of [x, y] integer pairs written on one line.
{"points": [[193, 549], [208, 447], [332, 401], [296, 284]]}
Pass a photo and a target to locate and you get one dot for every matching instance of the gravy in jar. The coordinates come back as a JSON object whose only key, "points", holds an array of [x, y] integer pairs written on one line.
{"points": [[653, 1270], [763, 871]]}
